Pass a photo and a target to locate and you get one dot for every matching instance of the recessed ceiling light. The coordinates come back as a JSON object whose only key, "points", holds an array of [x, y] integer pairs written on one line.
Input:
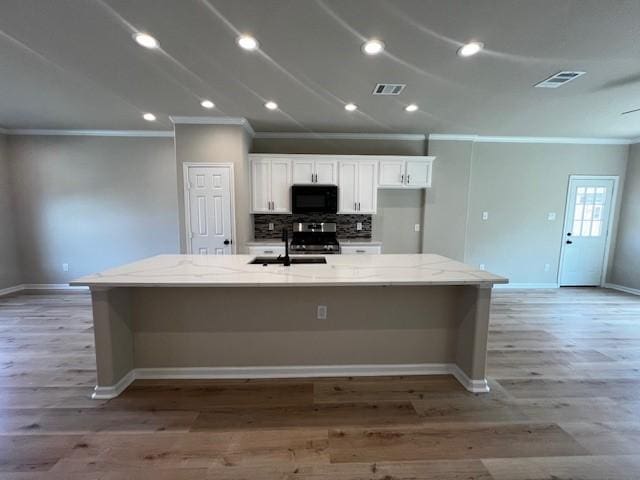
{"points": [[271, 105], [149, 117], [372, 47], [207, 104], [350, 107], [411, 108], [470, 49], [145, 40], [247, 42]]}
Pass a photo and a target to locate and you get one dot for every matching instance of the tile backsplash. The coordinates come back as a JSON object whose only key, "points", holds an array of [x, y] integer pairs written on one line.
{"points": [[345, 224]]}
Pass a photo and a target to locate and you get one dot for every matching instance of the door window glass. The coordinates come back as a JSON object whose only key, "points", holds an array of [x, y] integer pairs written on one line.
{"points": [[587, 213]]}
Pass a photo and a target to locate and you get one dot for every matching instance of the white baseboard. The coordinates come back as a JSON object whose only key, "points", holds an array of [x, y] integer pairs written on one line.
{"points": [[40, 286], [311, 371], [526, 285], [105, 393], [622, 288]]}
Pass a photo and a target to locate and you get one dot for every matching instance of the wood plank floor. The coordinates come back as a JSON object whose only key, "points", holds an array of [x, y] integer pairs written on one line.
{"points": [[564, 367]]}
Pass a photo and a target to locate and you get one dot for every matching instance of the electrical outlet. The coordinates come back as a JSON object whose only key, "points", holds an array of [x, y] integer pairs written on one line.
{"points": [[482, 266], [65, 267], [359, 226], [322, 312], [551, 216], [416, 227], [547, 267], [271, 227], [485, 215]]}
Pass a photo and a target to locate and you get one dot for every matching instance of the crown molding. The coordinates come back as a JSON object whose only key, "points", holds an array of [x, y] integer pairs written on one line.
{"points": [[342, 136], [635, 140], [507, 139], [241, 121], [92, 133]]}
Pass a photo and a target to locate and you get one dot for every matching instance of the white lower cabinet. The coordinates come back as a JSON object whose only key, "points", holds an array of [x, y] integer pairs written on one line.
{"points": [[361, 250], [266, 250]]}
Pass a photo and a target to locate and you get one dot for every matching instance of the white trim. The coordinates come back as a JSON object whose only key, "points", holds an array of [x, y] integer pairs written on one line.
{"points": [[10, 290], [525, 285], [622, 288], [474, 386], [307, 371], [93, 133], [52, 286], [241, 121], [258, 156], [611, 222], [508, 139], [106, 393], [343, 136], [187, 203]]}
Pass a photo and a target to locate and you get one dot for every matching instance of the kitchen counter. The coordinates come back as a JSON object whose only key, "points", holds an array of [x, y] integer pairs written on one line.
{"points": [[340, 270], [192, 316]]}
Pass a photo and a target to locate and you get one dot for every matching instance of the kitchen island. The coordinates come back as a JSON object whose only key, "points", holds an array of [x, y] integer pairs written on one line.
{"points": [[192, 316]]}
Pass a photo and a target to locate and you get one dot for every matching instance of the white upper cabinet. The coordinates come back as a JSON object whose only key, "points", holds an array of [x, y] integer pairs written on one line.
{"points": [[270, 185], [315, 171], [358, 176], [358, 192], [406, 173]]}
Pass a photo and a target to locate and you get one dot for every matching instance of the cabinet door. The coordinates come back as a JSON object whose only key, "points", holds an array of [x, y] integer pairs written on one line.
{"points": [[327, 172], [280, 186], [418, 173], [347, 193], [260, 201], [392, 173], [303, 171], [367, 187]]}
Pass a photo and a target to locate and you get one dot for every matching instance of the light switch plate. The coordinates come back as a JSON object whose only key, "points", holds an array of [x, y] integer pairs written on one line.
{"points": [[551, 216], [485, 215], [65, 267], [270, 227], [322, 312], [482, 266], [416, 227], [359, 226]]}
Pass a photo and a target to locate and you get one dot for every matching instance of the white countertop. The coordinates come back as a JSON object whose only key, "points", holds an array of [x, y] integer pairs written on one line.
{"points": [[340, 270], [343, 241]]}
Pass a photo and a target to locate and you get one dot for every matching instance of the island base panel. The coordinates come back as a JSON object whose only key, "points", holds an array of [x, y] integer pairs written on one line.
{"points": [[185, 331]]}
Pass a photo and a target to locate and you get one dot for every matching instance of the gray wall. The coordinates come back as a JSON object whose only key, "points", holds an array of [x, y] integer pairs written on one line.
{"points": [[626, 263], [216, 144], [518, 184], [9, 264], [398, 210], [92, 202]]}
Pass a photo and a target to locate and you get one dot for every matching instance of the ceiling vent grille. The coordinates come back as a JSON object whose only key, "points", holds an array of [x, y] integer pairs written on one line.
{"points": [[559, 79], [388, 89]]}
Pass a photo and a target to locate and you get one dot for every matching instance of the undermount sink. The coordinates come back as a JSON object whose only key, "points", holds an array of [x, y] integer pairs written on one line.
{"points": [[280, 260]]}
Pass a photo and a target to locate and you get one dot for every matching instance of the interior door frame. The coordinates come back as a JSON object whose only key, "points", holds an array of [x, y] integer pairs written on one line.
{"points": [[187, 202], [612, 218]]}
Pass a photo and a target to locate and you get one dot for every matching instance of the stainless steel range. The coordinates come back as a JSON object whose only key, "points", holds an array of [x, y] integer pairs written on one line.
{"points": [[314, 238]]}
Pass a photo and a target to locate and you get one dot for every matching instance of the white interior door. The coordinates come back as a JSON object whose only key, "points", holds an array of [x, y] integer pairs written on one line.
{"points": [[210, 216], [586, 230]]}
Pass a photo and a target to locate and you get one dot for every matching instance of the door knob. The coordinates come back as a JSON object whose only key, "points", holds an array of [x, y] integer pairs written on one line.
{"points": [[569, 242], [227, 242], [568, 234]]}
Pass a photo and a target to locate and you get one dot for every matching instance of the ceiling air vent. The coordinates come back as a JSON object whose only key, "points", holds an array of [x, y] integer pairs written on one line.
{"points": [[559, 79], [388, 89]]}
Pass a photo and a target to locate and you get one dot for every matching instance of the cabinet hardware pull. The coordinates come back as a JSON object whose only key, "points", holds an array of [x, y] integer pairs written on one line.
{"points": [[358, 206], [361, 251], [408, 180], [268, 251]]}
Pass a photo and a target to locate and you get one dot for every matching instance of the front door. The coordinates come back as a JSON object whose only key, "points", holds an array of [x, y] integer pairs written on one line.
{"points": [[209, 210], [586, 230]]}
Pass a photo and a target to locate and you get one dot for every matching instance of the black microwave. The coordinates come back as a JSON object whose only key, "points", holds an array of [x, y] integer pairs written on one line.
{"points": [[314, 199]]}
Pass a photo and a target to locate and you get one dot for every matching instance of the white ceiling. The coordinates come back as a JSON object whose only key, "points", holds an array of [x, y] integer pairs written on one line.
{"points": [[72, 64]]}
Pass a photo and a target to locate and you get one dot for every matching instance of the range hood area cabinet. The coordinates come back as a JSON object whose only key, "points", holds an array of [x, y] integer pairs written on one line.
{"points": [[413, 173], [357, 176], [270, 185], [309, 171]]}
